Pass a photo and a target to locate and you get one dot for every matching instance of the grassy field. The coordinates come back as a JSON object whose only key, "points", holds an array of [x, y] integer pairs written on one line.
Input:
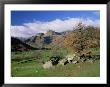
{"points": [[29, 64], [33, 69], [39, 55]]}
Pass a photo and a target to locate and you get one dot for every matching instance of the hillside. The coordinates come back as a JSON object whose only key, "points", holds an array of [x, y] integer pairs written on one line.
{"points": [[18, 45]]}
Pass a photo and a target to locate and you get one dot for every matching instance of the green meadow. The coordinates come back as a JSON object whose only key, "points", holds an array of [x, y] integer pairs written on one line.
{"points": [[29, 64]]}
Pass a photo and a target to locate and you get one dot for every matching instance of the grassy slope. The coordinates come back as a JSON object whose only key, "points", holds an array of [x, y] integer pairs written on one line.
{"points": [[34, 68]]}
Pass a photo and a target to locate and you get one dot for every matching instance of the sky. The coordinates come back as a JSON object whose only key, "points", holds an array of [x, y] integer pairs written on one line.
{"points": [[28, 23]]}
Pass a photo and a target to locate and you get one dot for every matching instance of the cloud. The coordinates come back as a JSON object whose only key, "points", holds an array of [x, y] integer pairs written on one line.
{"points": [[58, 25]]}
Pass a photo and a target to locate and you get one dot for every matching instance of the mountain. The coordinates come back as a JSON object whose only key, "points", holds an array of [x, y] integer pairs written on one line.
{"points": [[51, 32], [43, 38], [80, 38], [18, 45]]}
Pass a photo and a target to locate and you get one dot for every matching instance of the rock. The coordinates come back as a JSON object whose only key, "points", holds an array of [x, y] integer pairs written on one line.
{"points": [[83, 60], [72, 57], [78, 58], [66, 62], [63, 62], [47, 65], [74, 62], [90, 61], [55, 60]]}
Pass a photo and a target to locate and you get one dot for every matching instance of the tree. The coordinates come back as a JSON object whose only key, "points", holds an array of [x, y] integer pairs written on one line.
{"points": [[74, 41], [82, 38]]}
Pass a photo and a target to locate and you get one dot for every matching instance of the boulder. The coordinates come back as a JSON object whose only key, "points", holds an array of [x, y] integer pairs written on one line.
{"points": [[90, 61], [83, 60], [55, 60], [74, 62], [63, 62], [72, 57], [47, 65]]}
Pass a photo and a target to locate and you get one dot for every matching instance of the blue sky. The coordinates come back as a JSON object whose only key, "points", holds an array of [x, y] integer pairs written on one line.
{"points": [[29, 23], [20, 17]]}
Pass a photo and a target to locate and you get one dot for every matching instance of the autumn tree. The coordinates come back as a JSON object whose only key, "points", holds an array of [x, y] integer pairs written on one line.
{"points": [[81, 38], [74, 41]]}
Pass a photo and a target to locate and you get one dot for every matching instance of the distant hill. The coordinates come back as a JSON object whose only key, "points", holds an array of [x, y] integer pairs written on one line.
{"points": [[51, 32], [43, 39], [18, 45]]}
